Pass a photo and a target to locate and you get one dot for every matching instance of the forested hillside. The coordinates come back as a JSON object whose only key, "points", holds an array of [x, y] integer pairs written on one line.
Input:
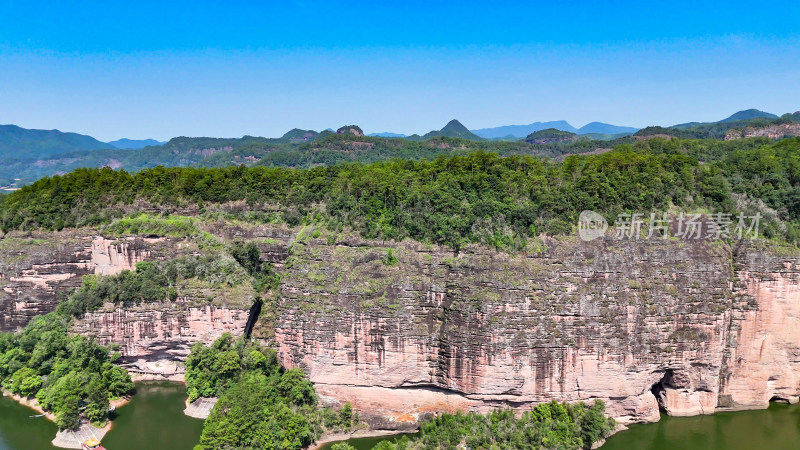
{"points": [[717, 130], [55, 153], [17, 141], [477, 197]]}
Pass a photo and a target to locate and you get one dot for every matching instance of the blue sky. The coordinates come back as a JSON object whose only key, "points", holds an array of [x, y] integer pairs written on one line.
{"points": [[146, 69]]}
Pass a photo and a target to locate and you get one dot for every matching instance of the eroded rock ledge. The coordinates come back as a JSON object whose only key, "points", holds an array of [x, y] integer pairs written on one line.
{"points": [[692, 327]]}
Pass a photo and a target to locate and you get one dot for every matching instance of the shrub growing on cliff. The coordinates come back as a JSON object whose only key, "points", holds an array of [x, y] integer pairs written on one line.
{"points": [[152, 282], [249, 257], [389, 259]]}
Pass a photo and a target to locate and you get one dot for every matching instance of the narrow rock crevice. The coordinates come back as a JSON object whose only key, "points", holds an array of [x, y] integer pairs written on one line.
{"points": [[658, 389], [252, 317]]}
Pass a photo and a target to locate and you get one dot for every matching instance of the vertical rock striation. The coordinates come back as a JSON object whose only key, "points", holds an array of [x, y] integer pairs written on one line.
{"points": [[35, 268], [687, 326], [691, 327]]}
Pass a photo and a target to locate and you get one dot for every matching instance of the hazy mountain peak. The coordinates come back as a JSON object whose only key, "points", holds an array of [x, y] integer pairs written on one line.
{"points": [[134, 144], [522, 131], [604, 128], [748, 114]]}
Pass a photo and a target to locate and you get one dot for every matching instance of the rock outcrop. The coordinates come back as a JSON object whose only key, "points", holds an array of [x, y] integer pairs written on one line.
{"points": [[155, 338], [687, 326], [690, 327], [35, 269], [36, 272], [771, 131]]}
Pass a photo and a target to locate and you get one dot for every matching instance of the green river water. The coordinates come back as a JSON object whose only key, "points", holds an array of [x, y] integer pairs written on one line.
{"points": [[154, 419]]}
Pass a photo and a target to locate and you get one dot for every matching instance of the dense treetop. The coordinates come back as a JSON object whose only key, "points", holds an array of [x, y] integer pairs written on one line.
{"points": [[261, 404], [69, 375], [477, 197]]}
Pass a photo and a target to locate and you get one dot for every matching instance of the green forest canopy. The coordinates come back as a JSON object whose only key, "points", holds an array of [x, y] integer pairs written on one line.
{"points": [[67, 374], [477, 197]]}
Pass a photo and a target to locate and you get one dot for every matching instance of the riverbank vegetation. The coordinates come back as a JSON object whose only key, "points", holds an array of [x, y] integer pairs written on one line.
{"points": [[261, 404], [70, 376], [478, 197], [554, 425], [551, 425]]}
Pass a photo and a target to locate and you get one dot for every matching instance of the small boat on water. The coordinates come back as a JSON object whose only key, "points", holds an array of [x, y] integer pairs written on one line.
{"points": [[92, 444], [38, 415]]}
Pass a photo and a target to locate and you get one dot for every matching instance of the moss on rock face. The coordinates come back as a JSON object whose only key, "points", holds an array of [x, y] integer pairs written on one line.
{"points": [[479, 323], [457, 322]]}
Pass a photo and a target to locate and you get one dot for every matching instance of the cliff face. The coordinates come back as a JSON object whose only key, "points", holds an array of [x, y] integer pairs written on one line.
{"points": [[692, 326], [770, 131], [35, 269], [689, 326], [154, 338], [36, 272]]}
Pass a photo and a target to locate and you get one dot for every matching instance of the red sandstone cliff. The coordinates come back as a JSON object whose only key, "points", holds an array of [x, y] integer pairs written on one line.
{"points": [[692, 325], [686, 325]]}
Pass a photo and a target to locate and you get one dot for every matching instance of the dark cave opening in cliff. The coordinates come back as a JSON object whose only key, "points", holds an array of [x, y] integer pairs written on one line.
{"points": [[658, 389], [252, 317], [779, 399]]}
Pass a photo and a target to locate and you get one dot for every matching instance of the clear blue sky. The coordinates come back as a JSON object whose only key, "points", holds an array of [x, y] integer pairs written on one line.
{"points": [[142, 69]]}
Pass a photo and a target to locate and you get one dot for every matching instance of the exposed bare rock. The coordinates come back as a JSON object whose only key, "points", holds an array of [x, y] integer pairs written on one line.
{"points": [[635, 324], [35, 269], [692, 327], [770, 131], [154, 338]]}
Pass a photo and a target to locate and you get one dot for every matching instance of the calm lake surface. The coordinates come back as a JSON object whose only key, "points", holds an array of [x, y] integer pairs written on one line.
{"points": [[776, 428], [152, 419], [155, 419], [366, 443]]}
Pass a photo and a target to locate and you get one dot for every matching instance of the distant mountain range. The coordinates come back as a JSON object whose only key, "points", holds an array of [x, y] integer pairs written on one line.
{"points": [[453, 129], [21, 142], [45, 143], [521, 131], [27, 155], [747, 114], [387, 134], [135, 144]]}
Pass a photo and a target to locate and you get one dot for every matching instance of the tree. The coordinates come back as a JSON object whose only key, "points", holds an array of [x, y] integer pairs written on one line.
{"points": [[96, 401], [296, 388], [30, 385], [68, 412], [20, 377], [342, 446]]}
